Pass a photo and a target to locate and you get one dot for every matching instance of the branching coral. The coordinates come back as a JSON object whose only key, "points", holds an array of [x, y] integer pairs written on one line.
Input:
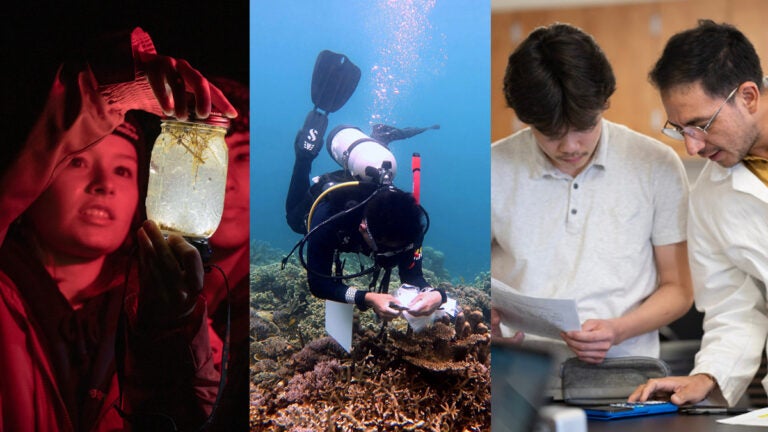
{"points": [[394, 379]]}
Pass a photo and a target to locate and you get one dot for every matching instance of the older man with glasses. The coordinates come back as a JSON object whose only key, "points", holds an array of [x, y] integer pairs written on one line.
{"points": [[714, 68], [697, 133]]}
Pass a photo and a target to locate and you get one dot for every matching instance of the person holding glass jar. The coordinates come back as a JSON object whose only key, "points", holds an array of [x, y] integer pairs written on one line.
{"points": [[74, 309]]}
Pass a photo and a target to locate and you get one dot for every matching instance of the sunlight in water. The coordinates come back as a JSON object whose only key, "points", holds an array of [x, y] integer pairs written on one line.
{"points": [[402, 33]]}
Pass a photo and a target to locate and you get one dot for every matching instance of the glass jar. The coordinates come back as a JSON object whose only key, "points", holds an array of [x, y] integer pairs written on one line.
{"points": [[188, 176]]}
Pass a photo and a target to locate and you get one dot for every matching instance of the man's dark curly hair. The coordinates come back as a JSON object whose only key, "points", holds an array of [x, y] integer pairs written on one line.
{"points": [[558, 79], [717, 55]]}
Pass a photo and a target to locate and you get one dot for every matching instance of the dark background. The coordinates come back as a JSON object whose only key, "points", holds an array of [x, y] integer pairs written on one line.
{"points": [[35, 39]]}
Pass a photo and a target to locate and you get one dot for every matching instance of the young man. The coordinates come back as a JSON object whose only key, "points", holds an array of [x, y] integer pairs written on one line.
{"points": [[712, 85], [583, 208]]}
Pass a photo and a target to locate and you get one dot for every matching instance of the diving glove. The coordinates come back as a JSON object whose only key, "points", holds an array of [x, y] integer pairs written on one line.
{"points": [[309, 140]]}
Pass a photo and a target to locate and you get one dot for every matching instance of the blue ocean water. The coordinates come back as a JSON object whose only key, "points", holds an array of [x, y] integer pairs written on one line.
{"points": [[423, 62]]}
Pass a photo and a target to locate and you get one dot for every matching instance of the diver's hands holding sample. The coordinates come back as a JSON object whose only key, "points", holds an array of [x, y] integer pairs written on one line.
{"points": [[680, 390], [497, 337], [425, 303], [592, 342], [171, 277], [380, 303], [174, 81]]}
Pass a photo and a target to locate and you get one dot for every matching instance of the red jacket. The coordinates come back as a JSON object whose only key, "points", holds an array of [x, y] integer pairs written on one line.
{"points": [[169, 371]]}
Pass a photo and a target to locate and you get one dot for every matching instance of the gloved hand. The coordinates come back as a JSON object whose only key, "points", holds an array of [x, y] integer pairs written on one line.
{"points": [[171, 278], [309, 140]]}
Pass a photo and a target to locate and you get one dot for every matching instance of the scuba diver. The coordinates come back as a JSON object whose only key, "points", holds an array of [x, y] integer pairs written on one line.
{"points": [[357, 209]]}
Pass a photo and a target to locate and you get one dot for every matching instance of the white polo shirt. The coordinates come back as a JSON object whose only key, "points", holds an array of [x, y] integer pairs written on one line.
{"points": [[588, 238]]}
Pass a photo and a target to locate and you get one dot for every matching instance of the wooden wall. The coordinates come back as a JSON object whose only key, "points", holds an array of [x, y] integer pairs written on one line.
{"points": [[632, 36]]}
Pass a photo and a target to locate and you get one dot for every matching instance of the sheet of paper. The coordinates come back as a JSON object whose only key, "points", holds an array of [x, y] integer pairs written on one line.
{"points": [[338, 322], [539, 316], [752, 418], [406, 293]]}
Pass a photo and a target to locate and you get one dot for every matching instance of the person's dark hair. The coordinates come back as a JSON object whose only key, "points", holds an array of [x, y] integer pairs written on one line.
{"points": [[558, 79], [237, 93], [717, 55], [139, 128], [393, 216]]}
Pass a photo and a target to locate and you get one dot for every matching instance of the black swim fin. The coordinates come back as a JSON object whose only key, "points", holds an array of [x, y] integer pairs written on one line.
{"points": [[309, 139], [386, 134], [334, 80]]}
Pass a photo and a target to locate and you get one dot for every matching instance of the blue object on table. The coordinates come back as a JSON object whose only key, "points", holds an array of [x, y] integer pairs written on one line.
{"points": [[629, 409]]}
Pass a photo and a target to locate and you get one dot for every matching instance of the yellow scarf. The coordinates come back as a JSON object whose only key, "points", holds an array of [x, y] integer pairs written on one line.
{"points": [[758, 166]]}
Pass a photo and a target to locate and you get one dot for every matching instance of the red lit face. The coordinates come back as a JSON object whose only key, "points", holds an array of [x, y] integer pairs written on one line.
{"points": [[87, 210], [233, 231]]}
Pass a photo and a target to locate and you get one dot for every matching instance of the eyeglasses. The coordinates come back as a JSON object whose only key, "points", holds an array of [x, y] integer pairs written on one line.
{"points": [[696, 132]]}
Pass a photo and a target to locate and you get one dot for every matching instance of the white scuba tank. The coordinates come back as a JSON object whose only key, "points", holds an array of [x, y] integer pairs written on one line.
{"points": [[355, 151]]}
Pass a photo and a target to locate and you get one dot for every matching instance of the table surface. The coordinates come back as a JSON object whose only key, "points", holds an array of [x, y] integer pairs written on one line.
{"points": [[669, 422]]}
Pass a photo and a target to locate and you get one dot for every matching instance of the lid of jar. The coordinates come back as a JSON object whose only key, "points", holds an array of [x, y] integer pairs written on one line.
{"points": [[213, 119]]}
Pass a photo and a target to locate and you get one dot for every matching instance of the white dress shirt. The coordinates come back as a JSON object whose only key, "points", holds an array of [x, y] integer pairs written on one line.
{"points": [[728, 251]]}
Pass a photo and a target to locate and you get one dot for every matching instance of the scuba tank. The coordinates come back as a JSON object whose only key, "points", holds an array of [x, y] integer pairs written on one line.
{"points": [[358, 153]]}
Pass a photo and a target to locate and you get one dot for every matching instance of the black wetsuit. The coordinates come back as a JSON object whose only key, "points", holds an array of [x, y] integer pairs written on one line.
{"points": [[341, 234]]}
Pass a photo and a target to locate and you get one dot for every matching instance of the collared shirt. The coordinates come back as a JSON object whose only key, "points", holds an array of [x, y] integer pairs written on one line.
{"points": [[728, 251], [758, 166], [589, 238]]}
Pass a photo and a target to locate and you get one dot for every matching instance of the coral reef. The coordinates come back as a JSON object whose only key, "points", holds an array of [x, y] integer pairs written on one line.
{"points": [[394, 378], [262, 252], [434, 260]]}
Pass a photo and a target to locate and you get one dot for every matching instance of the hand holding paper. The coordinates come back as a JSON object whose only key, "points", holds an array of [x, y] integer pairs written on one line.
{"points": [[539, 316], [592, 343]]}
